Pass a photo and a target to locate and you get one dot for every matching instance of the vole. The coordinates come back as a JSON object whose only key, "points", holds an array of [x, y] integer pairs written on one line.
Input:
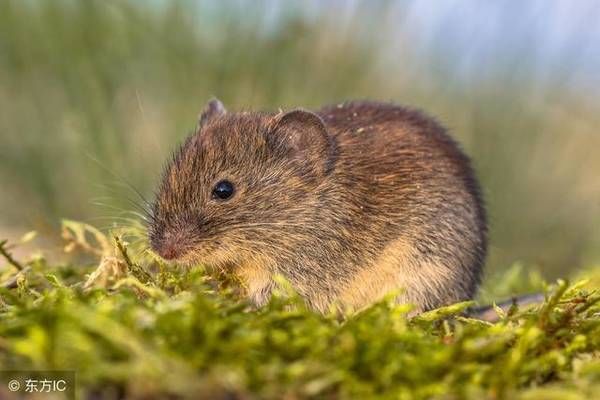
{"points": [[348, 203]]}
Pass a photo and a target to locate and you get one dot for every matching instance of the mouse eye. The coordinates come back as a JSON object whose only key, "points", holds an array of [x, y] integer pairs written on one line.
{"points": [[223, 190]]}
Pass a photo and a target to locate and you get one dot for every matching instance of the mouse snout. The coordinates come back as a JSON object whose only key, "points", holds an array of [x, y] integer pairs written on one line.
{"points": [[169, 251], [169, 247]]}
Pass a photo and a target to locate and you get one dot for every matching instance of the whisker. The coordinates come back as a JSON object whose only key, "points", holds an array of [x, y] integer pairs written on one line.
{"points": [[145, 207], [109, 188], [145, 215]]}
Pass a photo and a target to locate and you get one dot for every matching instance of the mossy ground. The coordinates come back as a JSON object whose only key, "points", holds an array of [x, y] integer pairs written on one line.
{"points": [[141, 330]]}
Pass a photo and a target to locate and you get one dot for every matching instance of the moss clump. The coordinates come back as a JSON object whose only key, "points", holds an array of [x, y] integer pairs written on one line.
{"points": [[176, 334]]}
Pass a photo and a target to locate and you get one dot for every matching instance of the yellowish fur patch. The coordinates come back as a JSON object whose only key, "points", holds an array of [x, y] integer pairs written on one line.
{"points": [[398, 269]]}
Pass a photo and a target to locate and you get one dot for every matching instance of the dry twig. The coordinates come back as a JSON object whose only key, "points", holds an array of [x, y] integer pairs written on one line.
{"points": [[9, 257]]}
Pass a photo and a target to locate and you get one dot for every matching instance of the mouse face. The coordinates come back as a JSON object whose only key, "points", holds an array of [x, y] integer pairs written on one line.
{"points": [[241, 181]]}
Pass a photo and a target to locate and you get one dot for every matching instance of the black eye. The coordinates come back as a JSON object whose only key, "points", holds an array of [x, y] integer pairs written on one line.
{"points": [[223, 190]]}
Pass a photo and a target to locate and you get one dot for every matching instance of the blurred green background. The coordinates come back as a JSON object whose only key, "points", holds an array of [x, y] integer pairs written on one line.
{"points": [[93, 93]]}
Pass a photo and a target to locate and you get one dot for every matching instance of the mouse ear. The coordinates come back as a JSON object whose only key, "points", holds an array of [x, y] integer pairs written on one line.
{"points": [[213, 109], [304, 135]]}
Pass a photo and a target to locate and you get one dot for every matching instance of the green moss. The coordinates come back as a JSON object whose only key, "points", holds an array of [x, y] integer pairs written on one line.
{"points": [[178, 334]]}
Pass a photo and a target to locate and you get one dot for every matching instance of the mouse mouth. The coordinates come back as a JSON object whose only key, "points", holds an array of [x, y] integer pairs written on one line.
{"points": [[187, 255], [186, 261], [213, 258]]}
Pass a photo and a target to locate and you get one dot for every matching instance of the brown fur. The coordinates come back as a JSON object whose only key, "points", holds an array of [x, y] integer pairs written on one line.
{"points": [[348, 203]]}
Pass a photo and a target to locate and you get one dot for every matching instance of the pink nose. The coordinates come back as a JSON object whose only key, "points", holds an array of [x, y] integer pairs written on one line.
{"points": [[169, 251]]}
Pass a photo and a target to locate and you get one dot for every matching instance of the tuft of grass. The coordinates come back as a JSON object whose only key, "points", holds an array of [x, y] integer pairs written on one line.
{"points": [[184, 334]]}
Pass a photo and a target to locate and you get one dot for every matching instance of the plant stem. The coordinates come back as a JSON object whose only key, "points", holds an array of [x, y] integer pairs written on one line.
{"points": [[134, 268], [9, 257]]}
